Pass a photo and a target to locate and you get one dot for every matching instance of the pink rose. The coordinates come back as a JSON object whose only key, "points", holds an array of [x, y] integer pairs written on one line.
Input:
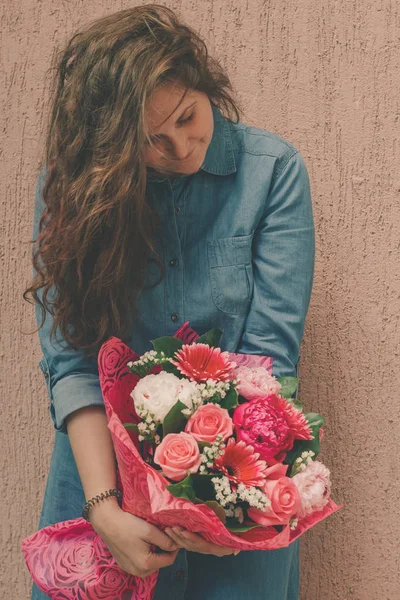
{"points": [[314, 486], [270, 425], [208, 421], [284, 497], [256, 382], [178, 455]]}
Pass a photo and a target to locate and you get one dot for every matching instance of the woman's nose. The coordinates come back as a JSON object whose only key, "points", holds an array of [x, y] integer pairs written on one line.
{"points": [[180, 147]]}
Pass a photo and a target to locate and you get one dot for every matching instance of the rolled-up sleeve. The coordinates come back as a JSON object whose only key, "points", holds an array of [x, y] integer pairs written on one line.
{"points": [[72, 380], [283, 269]]}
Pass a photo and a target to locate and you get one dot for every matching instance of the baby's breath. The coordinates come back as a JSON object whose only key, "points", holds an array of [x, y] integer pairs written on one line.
{"points": [[223, 491], [213, 391], [229, 498], [196, 400], [238, 513], [210, 453], [235, 511], [302, 461], [254, 496], [144, 365], [148, 426]]}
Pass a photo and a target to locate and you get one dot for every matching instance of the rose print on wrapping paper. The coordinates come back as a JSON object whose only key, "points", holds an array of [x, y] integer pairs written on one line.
{"points": [[73, 561], [70, 561], [112, 367]]}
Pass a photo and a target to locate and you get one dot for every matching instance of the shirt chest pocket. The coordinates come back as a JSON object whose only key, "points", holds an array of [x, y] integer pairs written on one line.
{"points": [[231, 273]]}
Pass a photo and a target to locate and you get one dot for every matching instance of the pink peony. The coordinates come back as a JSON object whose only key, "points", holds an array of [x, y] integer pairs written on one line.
{"points": [[159, 393], [241, 464], [270, 425], [200, 362], [284, 497], [208, 421], [178, 455], [256, 382], [314, 485]]}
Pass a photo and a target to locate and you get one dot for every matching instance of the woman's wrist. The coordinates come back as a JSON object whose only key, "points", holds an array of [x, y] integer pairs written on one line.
{"points": [[101, 513]]}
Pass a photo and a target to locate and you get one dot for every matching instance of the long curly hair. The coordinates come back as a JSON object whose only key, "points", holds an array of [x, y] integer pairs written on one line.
{"points": [[96, 231]]}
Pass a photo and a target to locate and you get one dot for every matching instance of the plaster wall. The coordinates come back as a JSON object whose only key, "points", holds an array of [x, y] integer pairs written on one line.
{"points": [[326, 76]]}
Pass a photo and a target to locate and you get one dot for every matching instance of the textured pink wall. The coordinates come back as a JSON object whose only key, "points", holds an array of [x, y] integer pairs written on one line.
{"points": [[326, 76]]}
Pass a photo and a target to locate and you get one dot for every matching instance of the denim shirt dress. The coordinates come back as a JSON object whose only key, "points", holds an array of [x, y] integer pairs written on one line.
{"points": [[238, 242]]}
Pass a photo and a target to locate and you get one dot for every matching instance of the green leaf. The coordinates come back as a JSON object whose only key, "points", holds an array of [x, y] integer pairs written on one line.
{"points": [[167, 344], [300, 446], [295, 403], [211, 337], [175, 421], [217, 509], [230, 400], [289, 386], [315, 421], [202, 445], [131, 426], [236, 527], [170, 368], [203, 486], [183, 489]]}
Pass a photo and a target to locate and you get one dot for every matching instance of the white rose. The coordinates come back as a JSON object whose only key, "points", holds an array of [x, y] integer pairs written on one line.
{"points": [[158, 393]]}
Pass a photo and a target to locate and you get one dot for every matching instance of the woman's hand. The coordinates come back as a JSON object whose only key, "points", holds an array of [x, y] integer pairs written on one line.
{"points": [[196, 543], [130, 538]]}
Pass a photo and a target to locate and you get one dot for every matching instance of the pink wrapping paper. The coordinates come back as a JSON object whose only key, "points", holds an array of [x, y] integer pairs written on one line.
{"points": [[69, 561]]}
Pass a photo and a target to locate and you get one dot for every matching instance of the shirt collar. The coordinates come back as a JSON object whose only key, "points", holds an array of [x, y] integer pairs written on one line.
{"points": [[220, 156]]}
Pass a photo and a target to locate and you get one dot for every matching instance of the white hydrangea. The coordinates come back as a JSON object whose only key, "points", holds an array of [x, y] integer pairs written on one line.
{"points": [[157, 393]]}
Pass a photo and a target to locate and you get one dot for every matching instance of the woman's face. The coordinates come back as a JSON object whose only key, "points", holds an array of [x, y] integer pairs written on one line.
{"points": [[181, 134]]}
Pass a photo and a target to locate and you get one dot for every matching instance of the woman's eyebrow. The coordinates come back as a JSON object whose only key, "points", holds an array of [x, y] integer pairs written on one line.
{"points": [[180, 117], [187, 108]]}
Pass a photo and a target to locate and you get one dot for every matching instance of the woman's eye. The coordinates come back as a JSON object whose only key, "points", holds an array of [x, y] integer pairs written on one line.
{"points": [[155, 139], [189, 118]]}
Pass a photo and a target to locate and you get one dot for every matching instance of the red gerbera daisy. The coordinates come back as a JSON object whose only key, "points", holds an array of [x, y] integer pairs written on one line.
{"points": [[241, 464], [200, 362]]}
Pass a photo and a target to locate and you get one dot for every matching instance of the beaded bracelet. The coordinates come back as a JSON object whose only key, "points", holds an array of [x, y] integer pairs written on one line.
{"points": [[102, 496]]}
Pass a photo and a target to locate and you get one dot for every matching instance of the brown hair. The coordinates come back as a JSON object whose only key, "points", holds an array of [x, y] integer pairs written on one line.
{"points": [[95, 233]]}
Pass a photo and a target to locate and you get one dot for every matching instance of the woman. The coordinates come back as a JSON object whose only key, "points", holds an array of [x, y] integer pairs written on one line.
{"points": [[159, 206]]}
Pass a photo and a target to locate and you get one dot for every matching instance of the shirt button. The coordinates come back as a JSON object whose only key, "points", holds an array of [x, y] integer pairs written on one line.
{"points": [[174, 262], [180, 575], [174, 317], [177, 210]]}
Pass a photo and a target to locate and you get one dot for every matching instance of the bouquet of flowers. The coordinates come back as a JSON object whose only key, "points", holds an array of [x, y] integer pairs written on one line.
{"points": [[201, 436]]}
